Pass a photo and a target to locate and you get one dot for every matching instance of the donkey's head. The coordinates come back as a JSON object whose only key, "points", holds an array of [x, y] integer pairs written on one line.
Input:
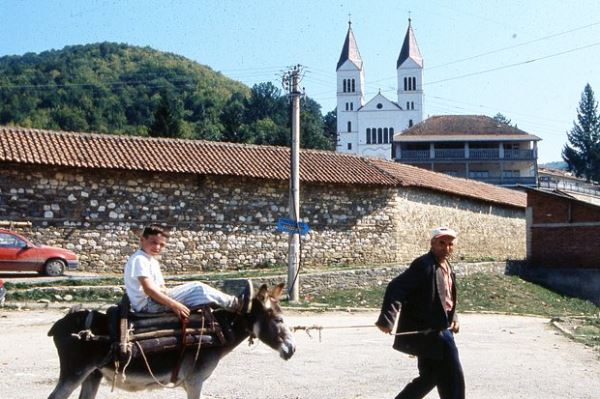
{"points": [[267, 321]]}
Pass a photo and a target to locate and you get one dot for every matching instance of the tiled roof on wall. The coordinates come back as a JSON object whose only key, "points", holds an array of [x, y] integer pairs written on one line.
{"points": [[99, 151], [412, 176]]}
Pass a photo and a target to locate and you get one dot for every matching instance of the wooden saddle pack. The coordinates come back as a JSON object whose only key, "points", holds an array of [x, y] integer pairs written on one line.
{"points": [[138, 333]]}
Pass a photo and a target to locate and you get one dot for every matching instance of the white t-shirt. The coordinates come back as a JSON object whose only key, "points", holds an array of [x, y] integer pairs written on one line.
{"points": [[141, 264]]}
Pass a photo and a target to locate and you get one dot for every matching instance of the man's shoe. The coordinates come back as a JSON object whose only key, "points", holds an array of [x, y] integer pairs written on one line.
{"points": [[245, 298]]}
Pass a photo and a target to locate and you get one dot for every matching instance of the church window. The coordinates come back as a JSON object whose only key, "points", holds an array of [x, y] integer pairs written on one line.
{"points": [[392, 131], [385, 135], [349, 146], [373, 135], [410, 123], [344, 83], [351, 106], [414, 83], [353, 86], [379, 105], [349, 126], [412, 105], [405, 84], [379, 135], [407, 105], [368, 135]]}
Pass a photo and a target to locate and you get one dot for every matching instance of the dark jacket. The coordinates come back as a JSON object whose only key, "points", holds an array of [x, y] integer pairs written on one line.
{"points": [[417, 294]]}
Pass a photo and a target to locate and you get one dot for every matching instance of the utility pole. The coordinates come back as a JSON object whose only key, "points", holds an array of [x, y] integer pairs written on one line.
{"points": [[290, 82]]}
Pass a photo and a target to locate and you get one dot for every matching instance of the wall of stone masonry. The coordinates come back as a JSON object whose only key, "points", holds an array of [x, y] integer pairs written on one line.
{"points": [[224, 222]]}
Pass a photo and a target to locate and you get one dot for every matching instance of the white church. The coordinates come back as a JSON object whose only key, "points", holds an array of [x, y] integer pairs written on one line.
{"points": [[367, 128]]}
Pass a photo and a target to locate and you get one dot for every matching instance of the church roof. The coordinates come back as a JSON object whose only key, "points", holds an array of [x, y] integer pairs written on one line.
{"points": [[463, 127], [162, 155], [350, 51], [410, 49]]}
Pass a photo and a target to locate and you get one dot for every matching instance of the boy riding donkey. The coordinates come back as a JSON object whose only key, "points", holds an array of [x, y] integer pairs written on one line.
{"points": [[145, 285]]}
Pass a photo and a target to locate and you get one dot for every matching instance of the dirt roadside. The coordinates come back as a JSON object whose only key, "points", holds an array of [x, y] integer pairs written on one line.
{"points": [[504, 357]]}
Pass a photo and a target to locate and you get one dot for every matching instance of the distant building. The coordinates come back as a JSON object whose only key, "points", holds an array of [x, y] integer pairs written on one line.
{"points": [[470, 146], [367, 128], [557, 179]]}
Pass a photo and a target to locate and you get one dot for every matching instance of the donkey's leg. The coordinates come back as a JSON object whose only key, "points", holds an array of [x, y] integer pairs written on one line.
{"points": [[193, 389], [68, 382], [90, 385]]}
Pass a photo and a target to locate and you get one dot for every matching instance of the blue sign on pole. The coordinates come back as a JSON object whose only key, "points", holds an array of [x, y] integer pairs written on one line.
{"points": [[292, 226]]}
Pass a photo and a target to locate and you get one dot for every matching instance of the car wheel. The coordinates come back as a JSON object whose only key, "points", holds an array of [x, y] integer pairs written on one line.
{"points": [[54, 267]]}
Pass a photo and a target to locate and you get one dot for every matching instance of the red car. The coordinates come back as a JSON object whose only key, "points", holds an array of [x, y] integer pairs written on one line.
{"points": [[17, 253]]}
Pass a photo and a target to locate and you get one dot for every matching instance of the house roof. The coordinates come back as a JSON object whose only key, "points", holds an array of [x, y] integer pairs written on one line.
{"points": [[350, 50], [100, 151], [462, 128], [410, 49]]}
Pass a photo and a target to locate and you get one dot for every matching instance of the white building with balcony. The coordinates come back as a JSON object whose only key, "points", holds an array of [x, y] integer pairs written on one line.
{"points": [[367, 128], [470, 146]]}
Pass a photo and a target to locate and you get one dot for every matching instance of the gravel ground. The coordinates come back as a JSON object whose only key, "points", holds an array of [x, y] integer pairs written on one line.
{"points": [[504, 357]]}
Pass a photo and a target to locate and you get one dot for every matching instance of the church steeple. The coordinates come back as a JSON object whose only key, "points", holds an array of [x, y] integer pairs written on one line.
{"points": [[350, 50], [410, 49]]}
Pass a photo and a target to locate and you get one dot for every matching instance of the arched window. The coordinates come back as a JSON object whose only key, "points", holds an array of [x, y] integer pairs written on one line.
{"points": [[412, 105], [346, 106], [410, 123], [379, 135], [385, 135], [368, 135], [407, 105], [344, 82], [405, 84], [373, 135], [392, 132], [414, 83], [353, 86], [349, 126], [351, 106]]}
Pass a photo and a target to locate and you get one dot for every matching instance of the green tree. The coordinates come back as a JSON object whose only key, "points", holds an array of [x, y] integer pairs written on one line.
{"points": [[502, 119], [330, 128], [168, 117], [583, 154]]}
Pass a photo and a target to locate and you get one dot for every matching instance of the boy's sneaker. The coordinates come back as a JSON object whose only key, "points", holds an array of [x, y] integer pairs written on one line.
{"points": [[245, 298]]}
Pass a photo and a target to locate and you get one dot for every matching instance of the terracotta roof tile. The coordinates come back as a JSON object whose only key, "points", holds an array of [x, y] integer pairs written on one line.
{"points": [[413, 176], [85, 150], [463, 125]]}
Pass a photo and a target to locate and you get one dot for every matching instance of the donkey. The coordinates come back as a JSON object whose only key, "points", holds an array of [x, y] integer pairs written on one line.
{"points": [[84, 362]]}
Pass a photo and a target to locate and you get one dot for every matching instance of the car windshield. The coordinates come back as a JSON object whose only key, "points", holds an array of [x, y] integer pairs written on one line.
{"points": [[11, 241]]}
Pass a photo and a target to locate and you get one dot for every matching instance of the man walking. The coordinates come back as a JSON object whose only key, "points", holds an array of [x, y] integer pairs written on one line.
{"points": [[425, 296]]}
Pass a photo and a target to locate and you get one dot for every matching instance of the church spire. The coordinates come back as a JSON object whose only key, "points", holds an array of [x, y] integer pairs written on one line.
{"points": [[350, 50], [410, 49]]}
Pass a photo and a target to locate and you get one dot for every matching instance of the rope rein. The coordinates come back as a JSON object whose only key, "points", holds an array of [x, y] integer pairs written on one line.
{"points": [[307, 329]]}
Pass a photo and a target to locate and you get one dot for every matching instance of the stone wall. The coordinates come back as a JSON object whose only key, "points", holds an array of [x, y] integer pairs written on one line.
{"points": [[225, 222]]}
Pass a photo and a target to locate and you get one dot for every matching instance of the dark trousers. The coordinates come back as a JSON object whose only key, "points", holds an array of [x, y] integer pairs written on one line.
{"points": [[446, 374]]}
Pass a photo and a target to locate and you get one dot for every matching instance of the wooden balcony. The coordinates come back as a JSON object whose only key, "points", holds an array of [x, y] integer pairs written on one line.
{"points": [[474, 154]]}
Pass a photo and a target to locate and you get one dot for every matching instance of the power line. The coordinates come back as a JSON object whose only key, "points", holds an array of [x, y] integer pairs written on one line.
{"points": [[514, 46], [515, 64]]}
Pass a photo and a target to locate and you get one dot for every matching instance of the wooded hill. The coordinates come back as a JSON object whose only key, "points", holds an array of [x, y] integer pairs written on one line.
{"points": [[122, 89]]}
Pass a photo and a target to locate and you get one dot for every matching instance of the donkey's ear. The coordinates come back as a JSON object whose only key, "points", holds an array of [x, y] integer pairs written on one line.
{"points": [[262, 293], [277, 290]]}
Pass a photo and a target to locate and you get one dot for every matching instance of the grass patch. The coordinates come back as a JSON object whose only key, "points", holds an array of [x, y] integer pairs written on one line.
{"points": [[478, 292]]}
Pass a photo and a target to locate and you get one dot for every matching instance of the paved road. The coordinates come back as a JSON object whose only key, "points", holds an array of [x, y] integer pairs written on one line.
{"points": [[504, 357]]}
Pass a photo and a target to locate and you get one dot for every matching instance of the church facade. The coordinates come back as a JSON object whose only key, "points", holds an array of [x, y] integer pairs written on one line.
{"points": [[367, 127]]}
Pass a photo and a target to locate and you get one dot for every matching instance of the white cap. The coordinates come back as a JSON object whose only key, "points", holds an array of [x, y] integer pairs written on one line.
{"points": [[443, 231]]}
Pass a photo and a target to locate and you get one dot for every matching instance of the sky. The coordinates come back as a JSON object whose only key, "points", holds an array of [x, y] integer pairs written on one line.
{"points": [[529, 60]]}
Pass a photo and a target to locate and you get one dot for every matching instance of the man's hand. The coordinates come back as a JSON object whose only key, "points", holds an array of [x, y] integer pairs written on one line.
{"points": [[384, 329], [454, 327]]}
